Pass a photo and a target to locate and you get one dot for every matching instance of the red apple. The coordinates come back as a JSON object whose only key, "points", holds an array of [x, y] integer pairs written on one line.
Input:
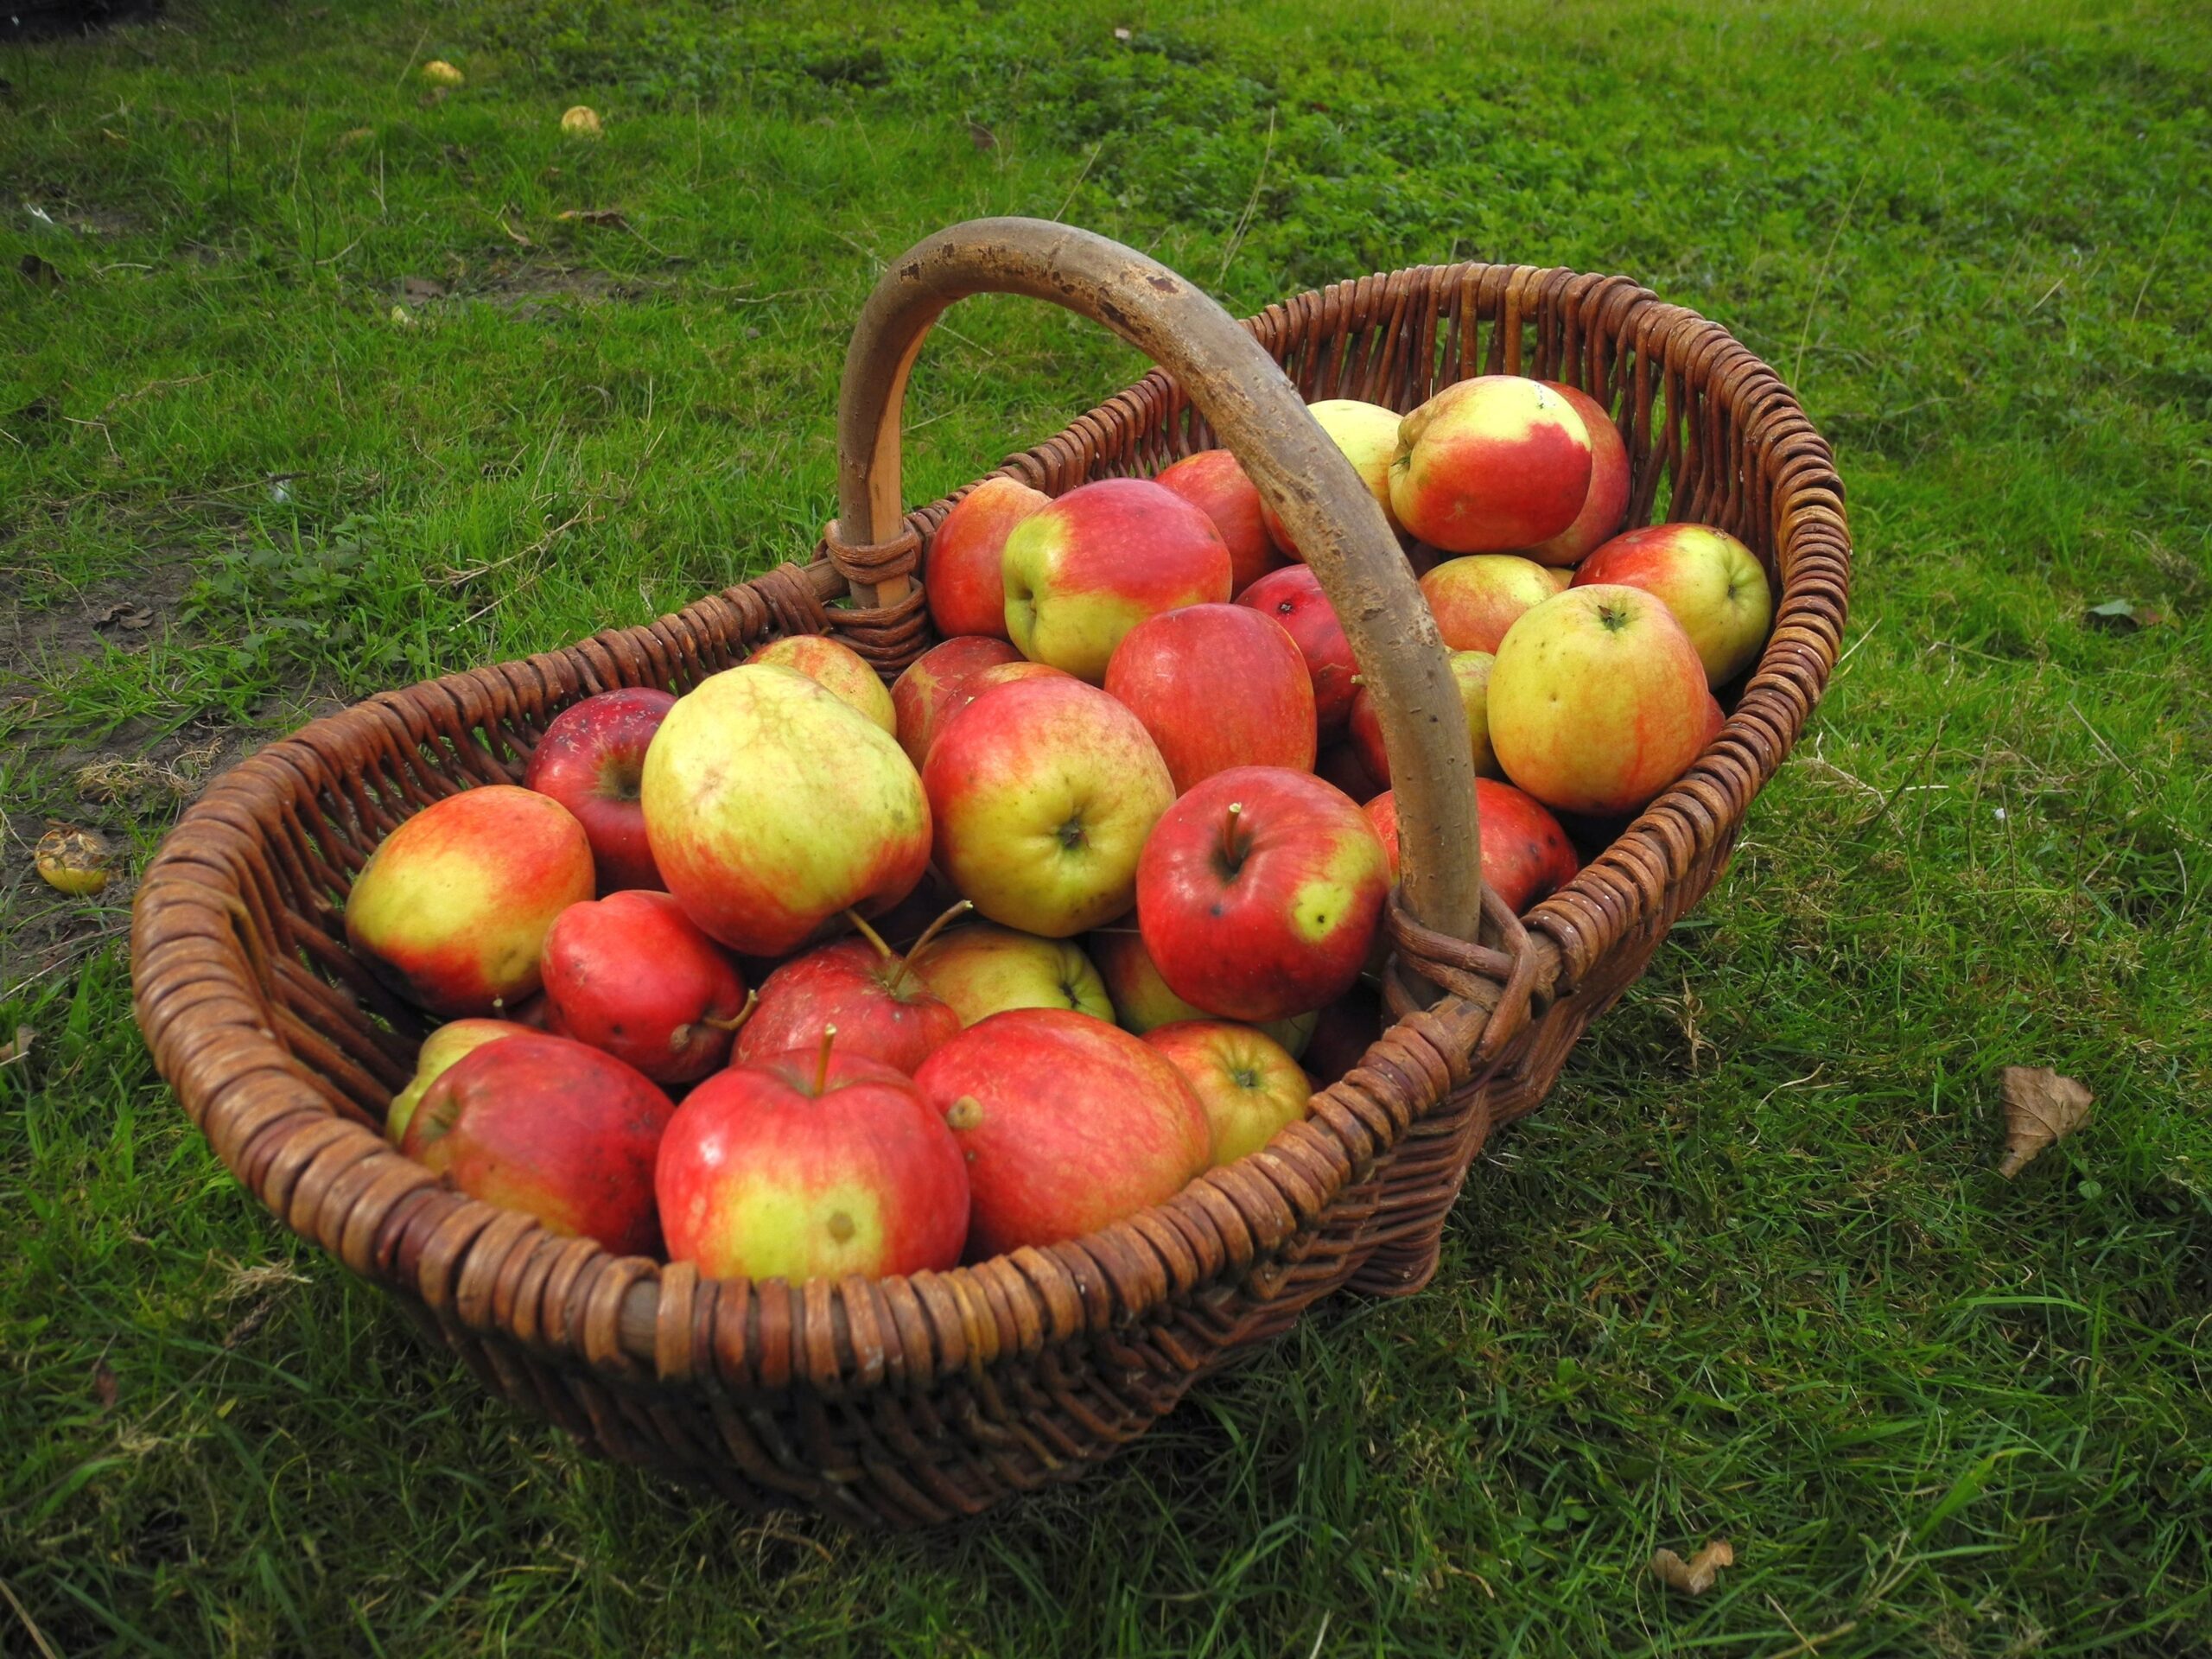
{"points": [[1598, 702], [452, 908], [1710, 582], [1142, 999], [440, 1050], [962, 572], [1526, 854], [1476, 599], [1294, 599], [1347, 1028], [1258, 893], [1471, 673], [1496, 462], [1218, 686], [772, 807], [1067, 1124], [1368, 433], [925, 696], [837, 669], [1341, 763], [1214, 483], [589, 760], [1716, 722], [1086, 569], [1605, 505], [553, 1128], [982, 970], [870, 995], [811, 1165], [1249, 1083], [630, 974], [1044, 792]]}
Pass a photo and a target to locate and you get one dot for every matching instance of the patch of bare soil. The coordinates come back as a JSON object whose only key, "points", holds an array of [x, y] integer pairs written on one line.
{"points": [[528, 291]]}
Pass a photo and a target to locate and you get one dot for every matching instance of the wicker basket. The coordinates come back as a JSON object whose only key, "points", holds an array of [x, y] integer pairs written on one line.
{"points": [[905, 1401]]}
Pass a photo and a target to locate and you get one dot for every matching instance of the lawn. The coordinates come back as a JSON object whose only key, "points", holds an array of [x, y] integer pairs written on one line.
{"points": [[314, 386]]}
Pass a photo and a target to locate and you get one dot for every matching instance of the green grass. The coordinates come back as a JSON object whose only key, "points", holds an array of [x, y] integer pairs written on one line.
{"points": [[1749, 1275]]}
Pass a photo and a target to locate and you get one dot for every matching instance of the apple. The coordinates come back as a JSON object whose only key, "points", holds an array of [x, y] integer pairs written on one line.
{"points": [[1526, 854], [1067, 1125], [773, 806], [1294, 597], [1218, 686], [1216, 484], [1341, 763], [814, 1164], [1043, 792], [1605, 505], [1489, 464], [1249, 1084], [1346, 1029], [870, 995], [553, 1128], [1710, 582], [589, 760], [631, 974], [982, 970], [1716, 722], [1084, 571], [1598, 700], [1259, 892], [962, 572], [838, 670], [1368, 433], [439, 1051], [452, 905], [1476, 599], [925, 696], [1471, 673], [1142, 999]]}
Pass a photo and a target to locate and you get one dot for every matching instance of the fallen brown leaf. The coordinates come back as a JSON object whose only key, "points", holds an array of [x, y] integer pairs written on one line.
{"points": [[103, 1384], [611, 216], [1695, 1576], [982, 137], [415, 290], [2041, 1109], [132, 618], [355, 135]]}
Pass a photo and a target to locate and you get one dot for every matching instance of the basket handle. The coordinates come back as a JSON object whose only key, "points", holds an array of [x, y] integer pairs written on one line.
{"points": [[1245, 396]]}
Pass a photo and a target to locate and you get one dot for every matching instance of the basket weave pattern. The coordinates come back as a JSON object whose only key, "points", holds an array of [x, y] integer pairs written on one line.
{"points": [[906, 1401]]}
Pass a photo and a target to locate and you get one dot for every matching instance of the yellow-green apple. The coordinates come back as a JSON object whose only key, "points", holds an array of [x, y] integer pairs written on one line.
{"points": [[1143, 1000], [773, 806], [838, 670], [1044, 790], [1218, 686], [1249, 1084], [1347, 1028], [1084, 571], [1216, 484], [1476, 599], [1598, 702], [869, 994], [1471, 673], [1562, 577], [452, 908], [982, 970], [1606, 503], [551, 1127], [963, 573], [1368, 433], [1710, 581], [439, 1051], [812, 1163], [633, 975], [589, 760], [1294, 597], [1526, 854], [1067, 1124], [1259, 892], [1489, 464], [923, 697]]}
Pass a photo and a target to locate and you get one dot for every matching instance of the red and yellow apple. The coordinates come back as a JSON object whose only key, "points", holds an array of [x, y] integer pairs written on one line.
{"points": [[962, 571], [1716, 722], [925, 696], [1476, 599], [1215, 483], [1142, 999], [982, 970], [589, 760], [838, 670], [1710, 582], [440, 1050], [1471, 673], [631, 974], [1249, 1084], [1294, 597], [1491, 464], [1526, 854], [870, 995], [1368, 434], [1218, 686], [1606, 503]]}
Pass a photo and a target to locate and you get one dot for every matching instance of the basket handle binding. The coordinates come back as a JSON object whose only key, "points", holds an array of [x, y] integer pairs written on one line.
{"points": [[1247, 400]]}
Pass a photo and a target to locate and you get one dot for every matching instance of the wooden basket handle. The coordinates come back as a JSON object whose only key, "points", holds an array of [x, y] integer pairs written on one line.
{"points": [[1245, 396]]}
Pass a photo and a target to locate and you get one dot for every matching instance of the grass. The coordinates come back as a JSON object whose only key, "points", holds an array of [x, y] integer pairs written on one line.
{"points": [[1749, 1275]]}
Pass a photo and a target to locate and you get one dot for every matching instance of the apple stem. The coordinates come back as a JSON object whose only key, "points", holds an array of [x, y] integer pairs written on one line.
{"points": [[897, 981], [736, 1020], [821, 1060], [870, 935]]}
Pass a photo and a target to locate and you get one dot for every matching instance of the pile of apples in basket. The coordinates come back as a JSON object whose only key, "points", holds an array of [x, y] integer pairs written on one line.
{"points": [[1045, 931]]}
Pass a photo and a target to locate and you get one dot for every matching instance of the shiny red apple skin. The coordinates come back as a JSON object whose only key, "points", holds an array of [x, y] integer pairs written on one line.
{"points": [[588, 761], [925, 696], [1527, 856], [1471, 674], [1491, 464], [1293, 596], [1140, 1000], [632, 975], [1250, 1084], [1605, 506], [553, 1127], [1215, 482], [966, 587], [1068, 1124], [881, 1008], [438, 1054], [1218, 686], [1710, 582], [760, 1176], [1266, 910]]}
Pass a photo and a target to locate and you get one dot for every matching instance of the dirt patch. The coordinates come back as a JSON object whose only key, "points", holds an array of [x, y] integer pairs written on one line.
{"points": [[38, 642], [526, 291]]}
